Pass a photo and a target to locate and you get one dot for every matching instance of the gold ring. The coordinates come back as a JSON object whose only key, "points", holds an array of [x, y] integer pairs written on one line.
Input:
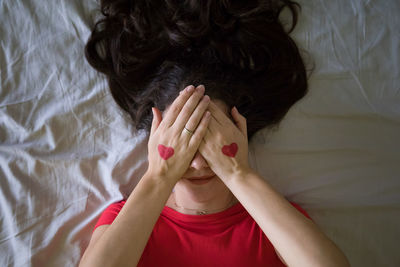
{"points": [[188, 131]]}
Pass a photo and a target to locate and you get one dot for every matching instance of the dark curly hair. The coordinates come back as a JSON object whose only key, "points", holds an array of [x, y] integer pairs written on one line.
{"points": [[151, 49]]}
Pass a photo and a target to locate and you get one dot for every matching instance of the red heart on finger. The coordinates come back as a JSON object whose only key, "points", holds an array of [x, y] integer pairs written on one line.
{"points": [[165, 151], [230, 150]]}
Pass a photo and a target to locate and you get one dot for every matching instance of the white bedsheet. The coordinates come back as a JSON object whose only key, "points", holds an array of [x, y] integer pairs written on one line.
{"points": [[67, 151]]}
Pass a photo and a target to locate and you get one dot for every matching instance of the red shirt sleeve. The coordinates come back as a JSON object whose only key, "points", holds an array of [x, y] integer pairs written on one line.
{"points": [[109, 214], [301, 210]]}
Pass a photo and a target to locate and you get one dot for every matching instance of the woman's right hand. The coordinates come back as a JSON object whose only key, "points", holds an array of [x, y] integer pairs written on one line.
{"points": [[171, 148]]}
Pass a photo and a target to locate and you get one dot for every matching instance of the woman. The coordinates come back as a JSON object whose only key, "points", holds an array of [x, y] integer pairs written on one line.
{"points": [[199, 203]]}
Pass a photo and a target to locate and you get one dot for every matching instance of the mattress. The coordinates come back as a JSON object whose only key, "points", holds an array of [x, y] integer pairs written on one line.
{"points": [[67, 151]]}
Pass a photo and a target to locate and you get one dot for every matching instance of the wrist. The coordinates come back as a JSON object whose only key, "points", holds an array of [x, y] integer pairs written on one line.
{"points": [[241, 173], [238, 173], [159, 179]]}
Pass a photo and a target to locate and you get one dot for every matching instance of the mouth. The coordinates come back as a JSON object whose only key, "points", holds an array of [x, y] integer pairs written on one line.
{"points": [[200, 180]]}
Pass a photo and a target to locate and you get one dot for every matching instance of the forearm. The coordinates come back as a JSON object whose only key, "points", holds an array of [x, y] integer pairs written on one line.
{"points": [[123, 242], [297, 239]]}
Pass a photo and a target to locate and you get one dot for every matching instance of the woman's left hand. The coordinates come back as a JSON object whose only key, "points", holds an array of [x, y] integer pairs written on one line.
{"points": [[225, 145]]}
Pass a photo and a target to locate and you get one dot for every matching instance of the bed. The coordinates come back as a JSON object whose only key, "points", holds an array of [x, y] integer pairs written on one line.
{"points": [[67, 151]]}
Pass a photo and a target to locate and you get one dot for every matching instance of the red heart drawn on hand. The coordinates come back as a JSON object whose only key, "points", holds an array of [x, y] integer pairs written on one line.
{"points": [[165, 151], [230, 150]]}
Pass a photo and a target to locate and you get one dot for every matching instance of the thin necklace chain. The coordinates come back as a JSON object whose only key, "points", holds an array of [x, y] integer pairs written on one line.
{"points": [[204, 212]]}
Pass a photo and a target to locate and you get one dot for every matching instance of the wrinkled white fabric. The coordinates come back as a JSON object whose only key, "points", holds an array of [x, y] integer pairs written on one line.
{"points": [[67, 151]]}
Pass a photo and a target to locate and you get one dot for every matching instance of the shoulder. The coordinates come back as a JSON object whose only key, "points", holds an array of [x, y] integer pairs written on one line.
{"points": [[110, 213], [299, 208], [115, 207]]}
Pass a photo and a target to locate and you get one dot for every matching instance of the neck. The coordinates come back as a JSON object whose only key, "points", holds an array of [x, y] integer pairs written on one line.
{"points": [[193, 207]]}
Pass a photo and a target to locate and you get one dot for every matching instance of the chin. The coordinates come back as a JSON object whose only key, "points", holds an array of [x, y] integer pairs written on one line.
{"points": [[202, 189]]}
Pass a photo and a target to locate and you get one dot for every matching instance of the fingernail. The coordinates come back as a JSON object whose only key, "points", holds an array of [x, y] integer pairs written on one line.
{"points": [[190, 88], [208, 114], [201, 88], [235, 109]]}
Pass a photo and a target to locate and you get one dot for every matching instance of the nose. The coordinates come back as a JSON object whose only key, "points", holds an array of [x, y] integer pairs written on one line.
{"points": [[198, 162]]}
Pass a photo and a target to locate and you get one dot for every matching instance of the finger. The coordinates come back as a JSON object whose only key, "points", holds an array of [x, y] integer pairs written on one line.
{"points": [[200, 131], [240, 121], [204, 148], [207, 135], [157, 117], [218, 114], [176, 107], [188, 108], [197, 114], [213, 125]]}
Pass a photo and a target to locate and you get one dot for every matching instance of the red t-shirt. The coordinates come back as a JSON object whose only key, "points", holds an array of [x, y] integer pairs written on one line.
{"points": [[228, 238]]}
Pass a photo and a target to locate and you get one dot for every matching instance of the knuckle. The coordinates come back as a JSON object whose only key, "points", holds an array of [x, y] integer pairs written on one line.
{"points": [[175, 109], [186, 110], [196, 139]]}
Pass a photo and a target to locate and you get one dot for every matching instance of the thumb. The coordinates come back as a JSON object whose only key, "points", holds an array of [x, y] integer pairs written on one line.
{"points": [[157, 118], [240, 121]]}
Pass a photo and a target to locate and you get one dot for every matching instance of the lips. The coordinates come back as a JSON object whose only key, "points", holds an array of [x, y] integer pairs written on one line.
{"points": [[200, 177]]}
